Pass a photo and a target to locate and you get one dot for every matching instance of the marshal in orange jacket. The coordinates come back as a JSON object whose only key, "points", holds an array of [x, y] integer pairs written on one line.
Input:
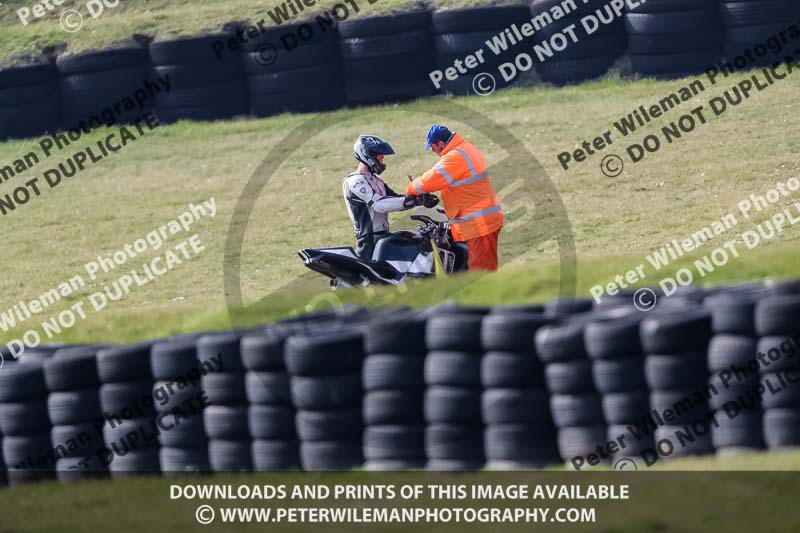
{"points": [[467, 193]]}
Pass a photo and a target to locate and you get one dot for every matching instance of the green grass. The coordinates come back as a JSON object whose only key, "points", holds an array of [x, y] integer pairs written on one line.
{"points": [[615, 222], [160, 19]]}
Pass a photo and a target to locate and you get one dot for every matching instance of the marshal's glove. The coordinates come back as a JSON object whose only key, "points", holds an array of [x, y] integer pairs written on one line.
{"points": [[429, 200]]}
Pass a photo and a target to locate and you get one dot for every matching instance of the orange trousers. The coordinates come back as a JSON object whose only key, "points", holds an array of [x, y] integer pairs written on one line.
{"points": [[483, 252]]}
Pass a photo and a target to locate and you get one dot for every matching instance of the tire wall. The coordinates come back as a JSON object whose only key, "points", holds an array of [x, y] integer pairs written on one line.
{"points": [[618, 370], [734, 345], [24, 396], [181, 441], [287, 73], [204, 87], [89, 84], [387, 58], [669, 39], [777, 350], [594, 53], [393, 378], [29, 101], [459, 33], [749, 23], [448, 389], [309, 67], [575, 402], [519, 430], [271, 414], [454, 431], [325, 373]]}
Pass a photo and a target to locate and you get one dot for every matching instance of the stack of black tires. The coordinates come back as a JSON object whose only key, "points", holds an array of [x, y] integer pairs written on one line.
{"points": [[24, 423], [574, 401], [130, 431], [90, 83], [226, 418], [674, 38], [268, 390], [454, 432], [175, 393], [126, 393], [386, 58], [462, 32], [735, 370], [778, 351], [449, 388], [749, 24], [618, 371], [3, 472], [515, 404], [325, 374], [567, 307], [204, 87], [29, 101], [5, 362], [394, 387], [41, 353], [598, 45], [676, 368], [75, 412], [288, 73]]}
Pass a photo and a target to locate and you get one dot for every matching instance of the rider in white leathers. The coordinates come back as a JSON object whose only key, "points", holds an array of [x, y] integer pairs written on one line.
{"points": [[369, 199]]}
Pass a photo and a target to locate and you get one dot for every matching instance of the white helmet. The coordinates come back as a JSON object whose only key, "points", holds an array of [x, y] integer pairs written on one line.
{"points": [[367, 147]]}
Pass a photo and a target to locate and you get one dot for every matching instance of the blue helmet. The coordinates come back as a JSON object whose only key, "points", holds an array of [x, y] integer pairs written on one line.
{"points": [[438, 133]]}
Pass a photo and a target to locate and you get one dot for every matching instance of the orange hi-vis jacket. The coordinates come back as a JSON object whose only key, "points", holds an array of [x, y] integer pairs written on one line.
{"points": [[467, 193]]}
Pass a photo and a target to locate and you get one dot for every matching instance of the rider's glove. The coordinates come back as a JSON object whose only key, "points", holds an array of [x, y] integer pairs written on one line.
{"points": [[429, 200], [412, 201]]}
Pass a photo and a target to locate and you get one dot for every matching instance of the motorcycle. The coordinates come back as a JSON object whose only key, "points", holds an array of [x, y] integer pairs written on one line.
{"points": [[397, 256]]}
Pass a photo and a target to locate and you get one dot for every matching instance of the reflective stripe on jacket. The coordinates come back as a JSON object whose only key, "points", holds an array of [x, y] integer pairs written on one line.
{"points": [[467, 193]]}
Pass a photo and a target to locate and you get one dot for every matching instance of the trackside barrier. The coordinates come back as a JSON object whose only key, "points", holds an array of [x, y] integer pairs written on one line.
{"points": [[449, 388], [322, 64]]}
